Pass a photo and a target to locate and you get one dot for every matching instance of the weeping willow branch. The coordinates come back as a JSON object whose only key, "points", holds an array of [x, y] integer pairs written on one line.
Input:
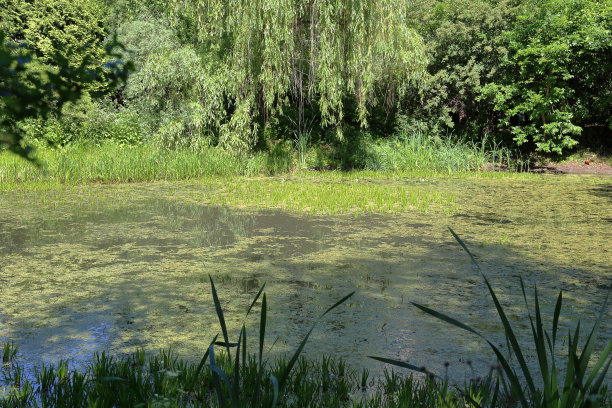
{"points": [[295, 51]]}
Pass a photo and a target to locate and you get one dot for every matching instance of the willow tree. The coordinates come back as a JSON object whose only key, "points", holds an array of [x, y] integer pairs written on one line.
{"points": [[278, 52]]}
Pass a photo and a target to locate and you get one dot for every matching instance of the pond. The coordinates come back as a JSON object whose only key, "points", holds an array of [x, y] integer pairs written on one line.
{"points": [[115, 267]]}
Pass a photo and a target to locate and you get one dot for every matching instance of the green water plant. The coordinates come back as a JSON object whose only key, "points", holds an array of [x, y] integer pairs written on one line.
{"points": [[9, 351], [164, 380], [578, 385], [236, 382]]}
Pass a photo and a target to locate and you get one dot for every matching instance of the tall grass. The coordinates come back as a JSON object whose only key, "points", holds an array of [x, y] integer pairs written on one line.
{"points": [[110, 162], [418, 151]]}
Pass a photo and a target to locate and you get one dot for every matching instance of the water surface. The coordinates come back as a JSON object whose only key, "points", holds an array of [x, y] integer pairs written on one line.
{"points": [[113, 268]]}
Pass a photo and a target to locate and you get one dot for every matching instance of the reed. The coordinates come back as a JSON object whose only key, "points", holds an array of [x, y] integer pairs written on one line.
{"points": [[109, 162]]}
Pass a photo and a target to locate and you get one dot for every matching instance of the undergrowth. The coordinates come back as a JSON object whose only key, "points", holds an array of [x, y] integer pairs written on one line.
{"points": [[109, 162]]}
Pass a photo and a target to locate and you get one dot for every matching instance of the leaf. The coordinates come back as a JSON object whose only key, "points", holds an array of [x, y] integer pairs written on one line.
{"points": [[404, 364], [556, 316], [512, 338], [276, 388], [203, 361], [297, 353], [448, 319], [338, 303], [465, 248], [256, 297], [215, 371], [221, 318]]}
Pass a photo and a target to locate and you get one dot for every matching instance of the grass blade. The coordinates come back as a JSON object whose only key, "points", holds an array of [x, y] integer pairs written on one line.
{"points": [[600, 362], [216, 382], [447, 319], [220, 316], [203, 361], [512, 338], [539, 340], [515, 385], [587, 351], [568, 385], [472, 401], [297, 353], [597, 384], [256, 297], [465, 248], [262, 326], [294, 358], [262, 335], [224, 377], [224, 344], [556, 317], [236, 386], [338, 303], [275, 388], [403, 364], [244, 351]]}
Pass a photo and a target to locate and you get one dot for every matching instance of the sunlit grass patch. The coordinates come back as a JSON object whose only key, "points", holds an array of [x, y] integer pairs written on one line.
{"points": [[111, 163], [342, 196]]}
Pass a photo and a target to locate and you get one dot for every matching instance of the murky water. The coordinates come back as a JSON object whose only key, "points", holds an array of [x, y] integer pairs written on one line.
{"points": [[118, 267]]}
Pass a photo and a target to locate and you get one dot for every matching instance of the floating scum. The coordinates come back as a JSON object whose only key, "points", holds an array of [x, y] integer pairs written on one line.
{"points": [[320, 51]]}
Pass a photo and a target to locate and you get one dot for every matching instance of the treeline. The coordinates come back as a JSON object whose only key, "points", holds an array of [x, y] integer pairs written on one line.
{"points": [[531, 75]]}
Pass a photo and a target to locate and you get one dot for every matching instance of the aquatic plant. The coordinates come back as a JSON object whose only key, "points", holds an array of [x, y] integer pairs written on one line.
{"points": [[236, 385], [9, 351], [325, 196], [112, 162], [581, 386]]}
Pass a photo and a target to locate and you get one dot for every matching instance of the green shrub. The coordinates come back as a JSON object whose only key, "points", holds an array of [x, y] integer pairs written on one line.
{"points": [[122, 126], [86, 121], [136, 35], [72, 27], [465, 53], [557, 76]]}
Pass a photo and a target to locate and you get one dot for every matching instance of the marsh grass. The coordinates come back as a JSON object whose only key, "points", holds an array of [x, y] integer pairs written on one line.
{"points": [[418, 151], [110, 162], [165, 380], [9, 351], [327, 196]]}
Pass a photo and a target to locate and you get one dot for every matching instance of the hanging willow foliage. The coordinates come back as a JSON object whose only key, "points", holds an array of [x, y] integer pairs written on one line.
{"points": [[300, 51]]}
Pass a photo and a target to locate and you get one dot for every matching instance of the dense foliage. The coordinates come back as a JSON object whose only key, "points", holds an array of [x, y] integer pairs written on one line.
{"points": [[529, 75], [73, 27], [52, 56], [557, 76]]}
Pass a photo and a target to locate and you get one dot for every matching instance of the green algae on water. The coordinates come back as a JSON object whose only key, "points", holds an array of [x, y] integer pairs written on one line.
{"points": [[116, 267]]}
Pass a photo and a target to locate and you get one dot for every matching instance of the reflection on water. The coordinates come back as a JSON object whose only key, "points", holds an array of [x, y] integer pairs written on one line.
{"points": [[115, 268]]}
